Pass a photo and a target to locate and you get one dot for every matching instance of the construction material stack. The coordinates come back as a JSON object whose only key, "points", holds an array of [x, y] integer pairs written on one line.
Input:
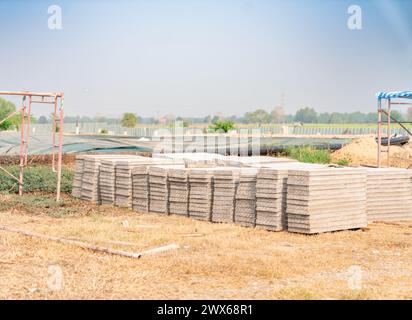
{"points": [[179, 191], [388, 194], [245, 207], [140, 181], [107, 177], [90, 180], [271, 189], [124, 185], [78, 176], [225, 184], [326, 199], [159, 188], [201, 193]]}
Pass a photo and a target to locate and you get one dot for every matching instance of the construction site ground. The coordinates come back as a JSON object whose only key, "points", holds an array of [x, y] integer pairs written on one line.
{"points": [[213, 261]]}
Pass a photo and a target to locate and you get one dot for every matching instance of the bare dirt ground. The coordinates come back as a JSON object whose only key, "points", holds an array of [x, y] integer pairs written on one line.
{"points": [[214, 261]]}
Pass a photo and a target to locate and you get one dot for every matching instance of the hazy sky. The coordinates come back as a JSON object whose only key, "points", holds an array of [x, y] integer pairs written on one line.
{"points": [[194, 58]]}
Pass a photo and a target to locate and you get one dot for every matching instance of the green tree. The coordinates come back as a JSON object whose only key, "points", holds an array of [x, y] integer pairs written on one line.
{"points": [[306, 115], [258, 116], [324, 117], [6, 108], [395, 114], [223, 125], [129, 120]]}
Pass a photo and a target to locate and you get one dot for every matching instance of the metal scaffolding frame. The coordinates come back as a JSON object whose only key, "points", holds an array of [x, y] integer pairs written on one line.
{"points": [[389, 103], [28, 99]]}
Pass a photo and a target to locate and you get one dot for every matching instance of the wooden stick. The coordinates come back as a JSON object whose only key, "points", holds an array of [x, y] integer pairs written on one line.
{"points": [[89, 246], [161, 249]]}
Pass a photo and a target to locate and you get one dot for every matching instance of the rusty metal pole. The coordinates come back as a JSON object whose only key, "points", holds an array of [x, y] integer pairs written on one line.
{"points": [[379, 132], [389, 130], [28, 131], [54, 135], [60, 156], [22, 146]]}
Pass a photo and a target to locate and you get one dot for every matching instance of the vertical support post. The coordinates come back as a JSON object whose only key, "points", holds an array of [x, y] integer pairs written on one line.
{"points": [[60, 156], [22, 146], [54, 135], [379, 132], [389, 130], [28, 131]]}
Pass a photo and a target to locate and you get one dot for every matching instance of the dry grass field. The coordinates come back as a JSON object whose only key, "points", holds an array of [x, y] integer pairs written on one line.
{"points": [[214, 261]]}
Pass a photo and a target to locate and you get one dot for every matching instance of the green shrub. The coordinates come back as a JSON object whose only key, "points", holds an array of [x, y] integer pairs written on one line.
{"points": [[223, 125], [309, 154], [343, 162], [104, 131], [37, 178]]}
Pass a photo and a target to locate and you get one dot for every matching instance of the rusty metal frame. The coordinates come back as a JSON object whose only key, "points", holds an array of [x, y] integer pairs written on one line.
{"points": [[387, 112], [57, 99]]}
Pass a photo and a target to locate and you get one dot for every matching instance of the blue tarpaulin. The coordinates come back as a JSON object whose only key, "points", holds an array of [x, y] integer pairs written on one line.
{"points": [[394, 94]]}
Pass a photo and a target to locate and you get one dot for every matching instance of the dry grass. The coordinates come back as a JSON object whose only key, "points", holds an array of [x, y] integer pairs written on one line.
{"points": [[220, 261]]}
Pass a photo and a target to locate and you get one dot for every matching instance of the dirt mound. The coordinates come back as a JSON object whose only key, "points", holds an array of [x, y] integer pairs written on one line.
{"points": [[363, 151]]}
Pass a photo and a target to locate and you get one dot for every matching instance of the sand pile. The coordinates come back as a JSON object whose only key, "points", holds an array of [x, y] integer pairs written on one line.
{"points": [[363, 151]]}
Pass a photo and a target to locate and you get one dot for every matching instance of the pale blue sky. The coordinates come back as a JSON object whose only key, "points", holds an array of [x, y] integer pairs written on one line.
{"points": [[194, 58]]}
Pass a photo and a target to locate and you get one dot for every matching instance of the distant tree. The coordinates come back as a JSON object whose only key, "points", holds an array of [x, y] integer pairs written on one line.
{"points": [[324, 117], [129, 120], [258, 116], [223, 125], [357, 117], [395, 114], [289, 118], [277, 115], [69, 119], [306, 115], [42, 120], [215, 119], [336, 117]]}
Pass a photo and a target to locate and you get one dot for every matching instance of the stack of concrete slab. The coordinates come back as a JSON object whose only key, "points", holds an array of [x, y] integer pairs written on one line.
{"points": [[159, 188], [193, 159], [271, 188], [78, 176], [179, 191], [140, 181], [90, 180], [89, 172], [253, 161], [225, 182], [326, 199], [245, 207], [124, 185], [388, 195], [107, 177], [201, 193]]}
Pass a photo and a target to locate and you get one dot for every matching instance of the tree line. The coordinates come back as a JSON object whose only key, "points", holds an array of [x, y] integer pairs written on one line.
{"points": [[258, 116]]}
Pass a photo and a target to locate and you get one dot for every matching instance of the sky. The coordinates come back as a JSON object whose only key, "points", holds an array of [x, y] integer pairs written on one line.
{"points": [[195, 58]]}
